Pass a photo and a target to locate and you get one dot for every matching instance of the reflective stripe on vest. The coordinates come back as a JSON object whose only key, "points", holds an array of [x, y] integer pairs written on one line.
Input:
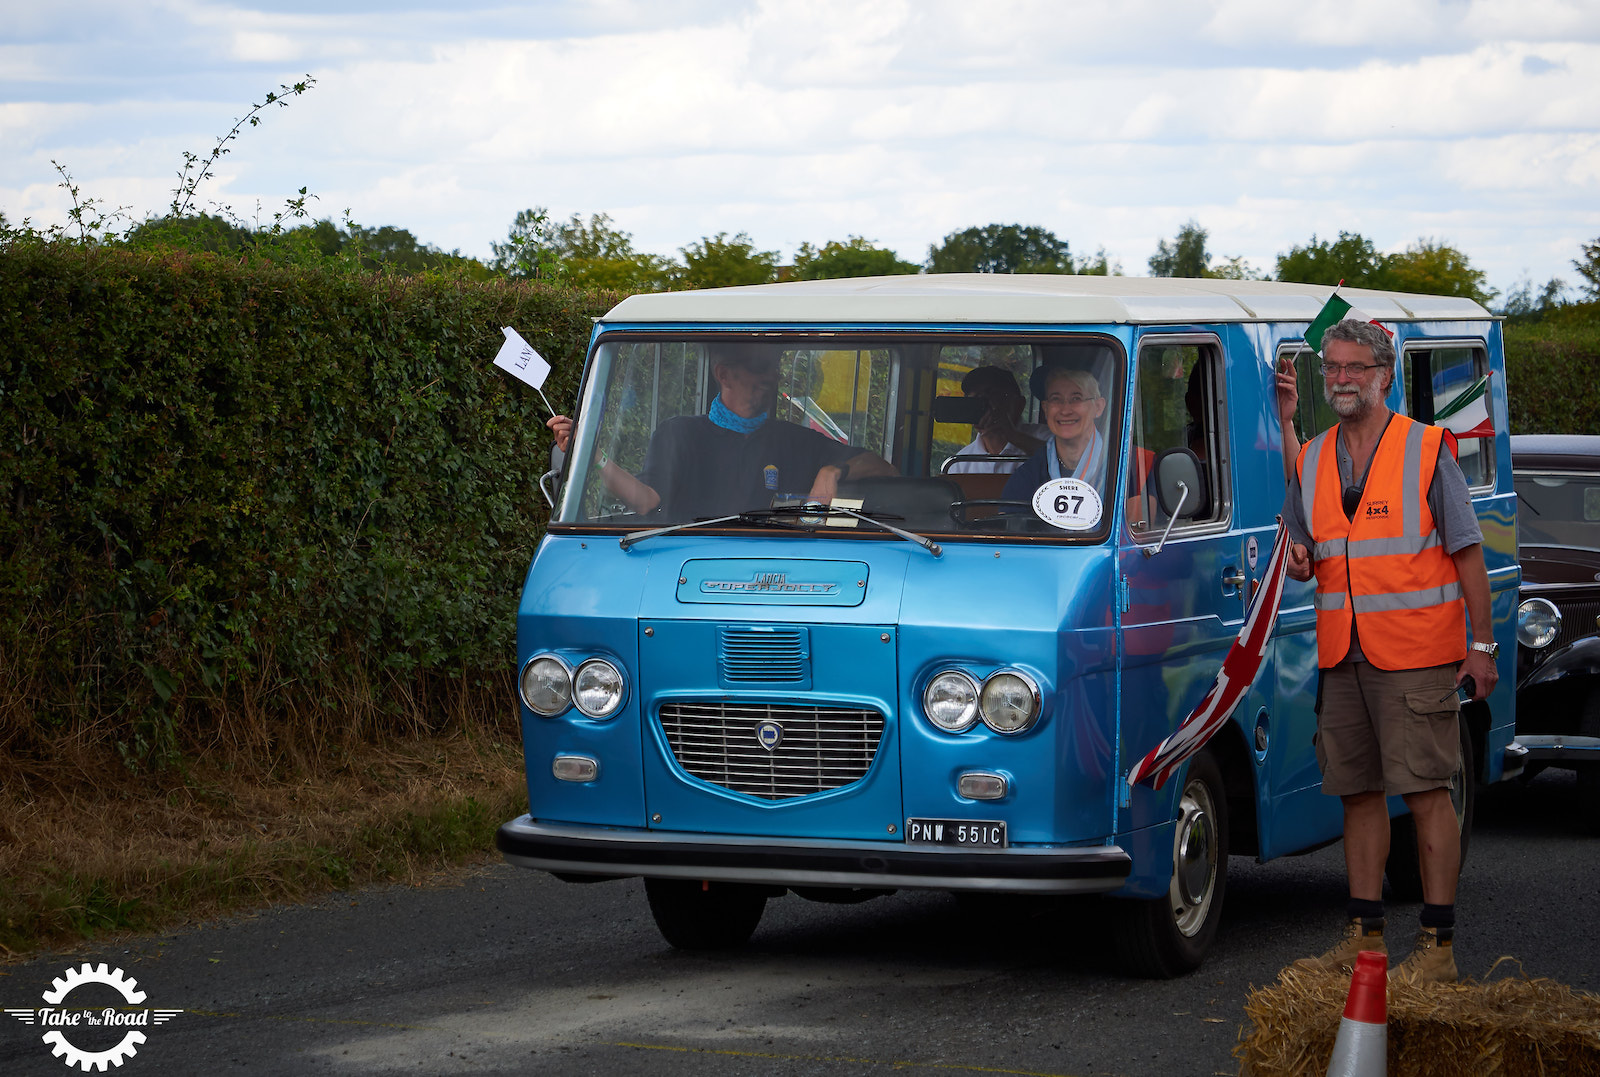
{"points": [[1387, 568]]}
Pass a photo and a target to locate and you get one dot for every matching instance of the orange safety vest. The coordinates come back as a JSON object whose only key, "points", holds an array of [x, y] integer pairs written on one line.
{"points": [[1387, 568]]}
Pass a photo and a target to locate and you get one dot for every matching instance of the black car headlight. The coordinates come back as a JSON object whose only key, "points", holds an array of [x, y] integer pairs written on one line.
{"points": [[1538, 623]]}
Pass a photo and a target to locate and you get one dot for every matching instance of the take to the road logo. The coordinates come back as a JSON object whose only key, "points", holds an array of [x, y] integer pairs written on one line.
{"points": [[66, 1021]]}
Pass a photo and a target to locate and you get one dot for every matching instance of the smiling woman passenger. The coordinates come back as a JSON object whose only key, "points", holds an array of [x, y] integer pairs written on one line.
{"points": [[1071, 404]]}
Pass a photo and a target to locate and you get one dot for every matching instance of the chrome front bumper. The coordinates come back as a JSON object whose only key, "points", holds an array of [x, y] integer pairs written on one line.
{"points": [[1553, 748], [566, 849]]}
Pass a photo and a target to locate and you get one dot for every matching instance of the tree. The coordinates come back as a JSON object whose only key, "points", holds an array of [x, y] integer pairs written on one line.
{"points": [[1433, 268], [1350, 258], [1588, 268], [1521, 301], [1001, 248], [198, 232], [719, 262], [1099, 266], [526, 253], [1185, 256], [855, 257], [597, 255]]}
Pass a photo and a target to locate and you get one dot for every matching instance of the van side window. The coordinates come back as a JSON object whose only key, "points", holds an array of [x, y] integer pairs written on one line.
{"points": [[1447, 386], [1315, 413], [1177, 404]]}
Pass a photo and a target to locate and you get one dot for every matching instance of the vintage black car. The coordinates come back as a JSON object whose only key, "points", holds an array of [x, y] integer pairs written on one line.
{"points": [[1557, 479]]}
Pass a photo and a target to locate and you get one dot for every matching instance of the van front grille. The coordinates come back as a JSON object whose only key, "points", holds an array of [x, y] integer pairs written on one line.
{"points": [[817, 748], [763, 655]]}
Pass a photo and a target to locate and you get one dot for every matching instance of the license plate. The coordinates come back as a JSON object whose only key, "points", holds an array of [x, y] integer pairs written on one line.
{"points": [[964, 832]]}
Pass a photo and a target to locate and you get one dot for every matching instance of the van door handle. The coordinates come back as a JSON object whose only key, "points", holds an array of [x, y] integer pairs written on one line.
{"points": [[1234, 576]]}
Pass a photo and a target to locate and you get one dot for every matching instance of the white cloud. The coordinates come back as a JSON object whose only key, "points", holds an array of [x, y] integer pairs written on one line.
{"points": [[1109, 121]]}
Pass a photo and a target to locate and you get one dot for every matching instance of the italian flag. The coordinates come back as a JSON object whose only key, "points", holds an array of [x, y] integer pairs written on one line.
{"points": [[1467, 416], [1336, 310]]}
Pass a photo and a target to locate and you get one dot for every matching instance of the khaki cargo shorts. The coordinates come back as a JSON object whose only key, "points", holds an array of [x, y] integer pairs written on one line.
{"points": [[1388, 731]]}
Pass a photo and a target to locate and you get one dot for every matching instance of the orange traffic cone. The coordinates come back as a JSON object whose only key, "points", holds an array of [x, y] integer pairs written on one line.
{"points": [[1362, 1048]]}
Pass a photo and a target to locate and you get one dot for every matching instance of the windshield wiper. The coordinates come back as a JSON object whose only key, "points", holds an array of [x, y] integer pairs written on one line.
{"points": [[819, 509], [770, 518], [1525, 501], [755, 517]]}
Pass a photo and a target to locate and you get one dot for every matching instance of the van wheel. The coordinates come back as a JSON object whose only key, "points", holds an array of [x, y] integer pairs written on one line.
{"points": [[1404, 866], [693, 915], [1169, 935]]}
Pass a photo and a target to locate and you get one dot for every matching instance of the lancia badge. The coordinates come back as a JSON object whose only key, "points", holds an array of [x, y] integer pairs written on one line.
{"points": [[769, 735]]}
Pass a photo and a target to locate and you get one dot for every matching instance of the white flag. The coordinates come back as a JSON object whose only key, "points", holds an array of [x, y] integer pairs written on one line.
{"points": [[518, 358]]}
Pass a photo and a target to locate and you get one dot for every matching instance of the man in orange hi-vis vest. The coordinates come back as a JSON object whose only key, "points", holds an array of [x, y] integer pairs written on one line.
{"points": [[1378, 512]]}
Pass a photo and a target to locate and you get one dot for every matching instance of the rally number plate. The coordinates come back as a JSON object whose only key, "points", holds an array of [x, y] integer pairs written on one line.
{"points": [[964, 832]]}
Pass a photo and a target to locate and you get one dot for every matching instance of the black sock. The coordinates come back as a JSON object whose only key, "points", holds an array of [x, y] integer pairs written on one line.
{"points": [[1370, 913], [1442, 918]]}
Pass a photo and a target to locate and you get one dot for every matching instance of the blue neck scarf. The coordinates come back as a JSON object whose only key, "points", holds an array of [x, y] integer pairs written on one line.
{"points": [[729, 419], [1091, 464]]}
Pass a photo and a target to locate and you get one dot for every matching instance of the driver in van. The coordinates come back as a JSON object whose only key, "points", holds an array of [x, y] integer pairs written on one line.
{"points": [[736, 456], [1076, 449]]}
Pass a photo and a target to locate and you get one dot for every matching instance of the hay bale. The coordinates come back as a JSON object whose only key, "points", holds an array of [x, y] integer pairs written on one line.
{"points": [[1501, 1028]]}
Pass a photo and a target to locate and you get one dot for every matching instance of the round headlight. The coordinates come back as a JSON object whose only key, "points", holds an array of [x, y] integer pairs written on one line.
{"points": [[597, 688], [1009, 702], [546, 685], [1538, 623], [951, 701]]}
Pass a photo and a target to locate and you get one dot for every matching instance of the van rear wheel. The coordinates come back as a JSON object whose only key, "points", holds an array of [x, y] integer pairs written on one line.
{"points": [[1169, 935], [695, 915]]}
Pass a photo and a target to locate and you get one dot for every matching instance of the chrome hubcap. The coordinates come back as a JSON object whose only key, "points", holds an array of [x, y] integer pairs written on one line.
{"points": [[1194, 859]]}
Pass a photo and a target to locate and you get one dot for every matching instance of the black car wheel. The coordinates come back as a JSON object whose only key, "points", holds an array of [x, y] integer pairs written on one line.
{"points": [[695, 915]]}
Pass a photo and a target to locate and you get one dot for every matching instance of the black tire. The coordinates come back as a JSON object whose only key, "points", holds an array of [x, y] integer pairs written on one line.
{"points": [[1589, 773], [1404, 866], [1169, 936], [693, 915]]}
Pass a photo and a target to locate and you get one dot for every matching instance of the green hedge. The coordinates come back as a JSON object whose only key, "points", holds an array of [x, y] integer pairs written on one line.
{"points": [[1553, 371], [238, 498]]}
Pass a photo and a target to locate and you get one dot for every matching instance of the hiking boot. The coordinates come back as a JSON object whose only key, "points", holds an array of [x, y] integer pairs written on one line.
{"points": [[1342, 958], [1432, 962]]}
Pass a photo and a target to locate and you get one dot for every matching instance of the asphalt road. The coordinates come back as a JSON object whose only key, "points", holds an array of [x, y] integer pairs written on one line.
{"points": [[508, 971]]}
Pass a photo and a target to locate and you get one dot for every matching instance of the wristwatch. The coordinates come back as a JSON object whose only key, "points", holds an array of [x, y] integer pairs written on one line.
{"points": [[1490, 649]]}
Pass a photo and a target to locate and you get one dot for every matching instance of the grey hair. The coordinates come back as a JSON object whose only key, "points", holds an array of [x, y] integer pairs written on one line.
{"points": [[1378, 342]]}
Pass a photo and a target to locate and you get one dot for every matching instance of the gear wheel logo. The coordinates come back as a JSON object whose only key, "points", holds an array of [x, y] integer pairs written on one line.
{"points": [[66, 1017]]}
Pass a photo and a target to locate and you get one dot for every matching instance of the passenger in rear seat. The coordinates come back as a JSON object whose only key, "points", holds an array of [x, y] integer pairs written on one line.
{"points": [[999, 432]]}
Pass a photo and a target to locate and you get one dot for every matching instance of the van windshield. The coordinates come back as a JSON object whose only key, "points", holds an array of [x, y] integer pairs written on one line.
{"points": [[953, 434]]}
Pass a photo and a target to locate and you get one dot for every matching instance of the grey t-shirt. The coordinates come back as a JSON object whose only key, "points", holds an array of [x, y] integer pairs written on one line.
{"points": [[1448, 500]]}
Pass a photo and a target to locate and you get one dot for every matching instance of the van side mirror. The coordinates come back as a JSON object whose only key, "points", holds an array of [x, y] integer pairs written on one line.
{"points": [[1180, 489], [550, 481]]}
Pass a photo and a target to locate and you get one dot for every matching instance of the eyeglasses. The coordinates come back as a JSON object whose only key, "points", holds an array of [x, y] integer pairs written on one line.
{"points": [[1074, 401], [1350, 370]]}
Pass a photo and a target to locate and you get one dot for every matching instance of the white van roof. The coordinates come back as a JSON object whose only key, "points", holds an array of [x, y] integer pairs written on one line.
{"points": [[1031, 299]]}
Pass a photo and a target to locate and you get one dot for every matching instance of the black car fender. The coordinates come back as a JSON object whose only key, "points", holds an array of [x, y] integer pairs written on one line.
{"points": [[1580, 658]]}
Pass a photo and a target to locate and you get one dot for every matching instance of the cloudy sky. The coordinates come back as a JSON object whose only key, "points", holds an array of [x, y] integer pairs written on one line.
{"points": [[1109, 122]]}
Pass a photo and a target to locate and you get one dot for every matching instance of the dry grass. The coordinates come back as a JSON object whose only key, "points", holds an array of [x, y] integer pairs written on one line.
{"points": [[1498, 1028], [88, 848]]}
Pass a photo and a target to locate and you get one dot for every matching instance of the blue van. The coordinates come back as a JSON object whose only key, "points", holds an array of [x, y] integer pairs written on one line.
{"points": [[869, 658]]}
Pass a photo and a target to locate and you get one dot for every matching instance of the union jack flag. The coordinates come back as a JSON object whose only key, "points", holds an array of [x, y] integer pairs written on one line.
{"points": [[1238, 672]]}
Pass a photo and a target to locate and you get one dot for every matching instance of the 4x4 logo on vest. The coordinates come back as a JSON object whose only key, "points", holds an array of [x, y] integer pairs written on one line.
{"points": [[1377, 510]]}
